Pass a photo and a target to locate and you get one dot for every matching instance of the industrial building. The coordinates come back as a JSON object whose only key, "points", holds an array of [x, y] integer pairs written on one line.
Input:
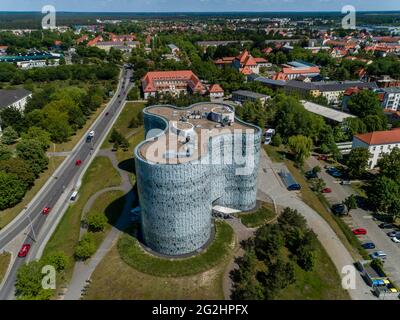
{"points": [[193, 159]]}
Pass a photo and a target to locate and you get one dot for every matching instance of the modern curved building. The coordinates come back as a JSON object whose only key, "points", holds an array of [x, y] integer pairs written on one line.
{"points": [[193, 158]]}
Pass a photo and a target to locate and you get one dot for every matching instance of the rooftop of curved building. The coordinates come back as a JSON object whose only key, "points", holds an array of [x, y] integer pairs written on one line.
{"points": [[171, 148]]}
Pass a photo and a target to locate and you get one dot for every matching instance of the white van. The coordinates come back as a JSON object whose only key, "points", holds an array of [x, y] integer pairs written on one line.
{"points": [[74, 195]]}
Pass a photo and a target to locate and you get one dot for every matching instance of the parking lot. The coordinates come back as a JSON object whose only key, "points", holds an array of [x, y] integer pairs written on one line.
{"points": [[360, 218]]}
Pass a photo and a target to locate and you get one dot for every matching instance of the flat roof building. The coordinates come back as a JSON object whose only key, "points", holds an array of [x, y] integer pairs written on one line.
{"points": [[245, 95], [188, 164], [326, 112]]}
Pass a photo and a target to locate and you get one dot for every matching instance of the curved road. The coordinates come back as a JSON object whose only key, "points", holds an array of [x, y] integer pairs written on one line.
{"points": [[68, 176]]}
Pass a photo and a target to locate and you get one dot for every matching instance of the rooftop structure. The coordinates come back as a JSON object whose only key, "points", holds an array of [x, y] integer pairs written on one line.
{"points": [[327, 113], [9, 97], [188, 164]]}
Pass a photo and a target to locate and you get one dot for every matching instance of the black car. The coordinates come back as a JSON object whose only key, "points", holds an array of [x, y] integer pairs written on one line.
{"points": [[386, 225], [368, 245], [311, 175], [339, 209]]}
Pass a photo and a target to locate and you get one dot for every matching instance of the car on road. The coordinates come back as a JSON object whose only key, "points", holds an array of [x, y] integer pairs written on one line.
{"points": [[24, 250], [368, 245], [339, 209], [385, 225], [395, 240], [46, 210], [107, 113], [327, 190], [378, 255], [394, 234], [78, 162], [91, 133], [359, 231]]}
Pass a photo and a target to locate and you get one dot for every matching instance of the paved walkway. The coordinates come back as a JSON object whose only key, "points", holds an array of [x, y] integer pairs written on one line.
{"points": [[83, 270]]}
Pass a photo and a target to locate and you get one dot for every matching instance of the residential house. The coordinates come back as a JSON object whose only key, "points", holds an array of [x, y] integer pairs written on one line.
{"points": [[216, 92]]}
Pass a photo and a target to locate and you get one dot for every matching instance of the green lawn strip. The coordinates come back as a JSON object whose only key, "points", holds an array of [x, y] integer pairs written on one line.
{"points": [[5, 259], [321, 283], [111, 205], [130, 111], [134, 255], [113, 279], [258, 217], [6, 216], [133, 142], [274, 153], [100, 175]]}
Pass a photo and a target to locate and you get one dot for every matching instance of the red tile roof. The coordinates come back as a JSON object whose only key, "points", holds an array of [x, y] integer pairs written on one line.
{"points": [[300, 70], [215, 88], [192, 80], [246, 59], [380, 137]]}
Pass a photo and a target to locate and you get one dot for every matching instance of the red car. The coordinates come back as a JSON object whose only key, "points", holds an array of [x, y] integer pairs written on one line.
{"points": [[46, 211], [78, 162], [323, 157], [359, 231], [327, 190], [24, 250]]}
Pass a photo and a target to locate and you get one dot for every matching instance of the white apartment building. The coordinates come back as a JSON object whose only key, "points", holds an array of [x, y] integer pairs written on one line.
{"points": [[378, 143], [17, 98], [392, 98]]}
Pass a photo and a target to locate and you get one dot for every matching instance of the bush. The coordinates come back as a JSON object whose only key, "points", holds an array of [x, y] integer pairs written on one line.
{"points": [[276, 140], [96, 222], [9, 136], [86, 247], [58, 260]]}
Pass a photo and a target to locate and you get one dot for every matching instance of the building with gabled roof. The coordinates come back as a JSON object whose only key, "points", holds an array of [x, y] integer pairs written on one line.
{"points": [[378, 143], [173, 82]]}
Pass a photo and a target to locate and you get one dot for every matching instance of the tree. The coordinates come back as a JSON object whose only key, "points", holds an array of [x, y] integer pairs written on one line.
{"points": [[267, 242], [383, 194], [389, 165], [301, 146], [10, 136], [96, 222], [276, 140], [36, 133], [28, 283], [5, 152], [86, 247], [12, 190], [357, 162], [20, 169], [351, 202], [31, 151], [58, 260], [12, 117], [317, 185], [364, 103]]}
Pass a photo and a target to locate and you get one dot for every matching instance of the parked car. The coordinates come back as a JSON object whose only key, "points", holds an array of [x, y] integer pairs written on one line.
{"points": [[323, 157], [327, 190], [334, 172], [24, 250], [378, 255], [311, 174], [359, 231], [385, 225], [394, 234], [339, 209], [345, 182], [396, 240], [368, 245]]}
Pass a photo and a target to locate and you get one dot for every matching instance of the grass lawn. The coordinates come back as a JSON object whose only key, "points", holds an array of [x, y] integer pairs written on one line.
{"points": [[259, 217], [110, 204], [6, 216], [321, 283], [136, 257], [100, 175], [5, 258], [197, 278], [130, 111], [113, 279]]}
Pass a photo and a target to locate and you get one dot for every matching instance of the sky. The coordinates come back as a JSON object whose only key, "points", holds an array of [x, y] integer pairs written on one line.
{"points": [[197, 5]]}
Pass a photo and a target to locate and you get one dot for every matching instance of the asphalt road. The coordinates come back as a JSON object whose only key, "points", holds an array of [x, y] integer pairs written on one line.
{"points": [[67, 176]]}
